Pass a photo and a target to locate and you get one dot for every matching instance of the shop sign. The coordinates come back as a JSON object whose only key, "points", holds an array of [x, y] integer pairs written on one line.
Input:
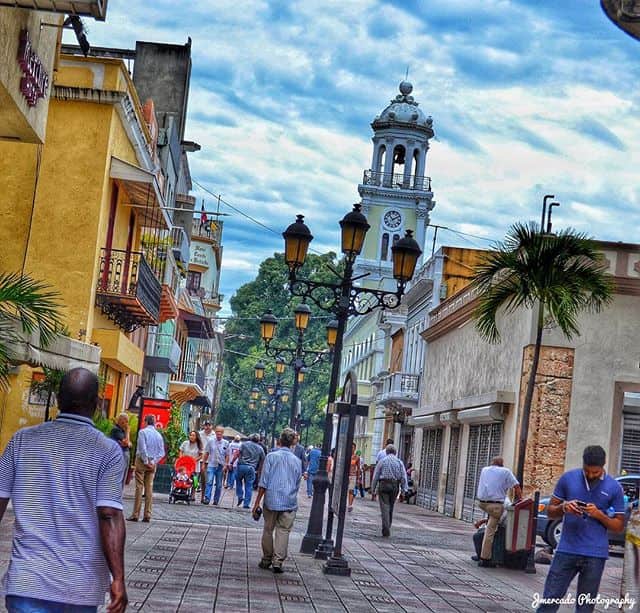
{"points": [[35, 80], [159, 408]]}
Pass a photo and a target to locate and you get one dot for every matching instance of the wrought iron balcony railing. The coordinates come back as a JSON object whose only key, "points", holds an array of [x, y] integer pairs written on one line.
{"points": [[211, 230], [180, 242], [398, 387], [396, 180], [128, 291]]}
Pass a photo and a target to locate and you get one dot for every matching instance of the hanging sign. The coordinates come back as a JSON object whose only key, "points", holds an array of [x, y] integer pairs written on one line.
{"points": [[35, 80]]}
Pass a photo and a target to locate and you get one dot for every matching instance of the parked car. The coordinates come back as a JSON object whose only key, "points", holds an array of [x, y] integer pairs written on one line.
{"points": [[551, 529]]}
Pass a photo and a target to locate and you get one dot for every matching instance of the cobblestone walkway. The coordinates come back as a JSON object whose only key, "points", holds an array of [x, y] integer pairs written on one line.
{"points": [[196, 559]]}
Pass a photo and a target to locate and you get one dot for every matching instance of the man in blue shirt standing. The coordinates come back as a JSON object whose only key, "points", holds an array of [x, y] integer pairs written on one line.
{"points": [[589, 502], [279, 483], [313, 463]]}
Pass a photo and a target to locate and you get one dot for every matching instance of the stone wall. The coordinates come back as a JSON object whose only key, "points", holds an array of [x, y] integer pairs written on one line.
{"points": [[549, 421]]}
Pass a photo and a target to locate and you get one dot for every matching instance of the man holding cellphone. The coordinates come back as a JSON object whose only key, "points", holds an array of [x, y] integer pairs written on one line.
{"points": [[582, 498]]}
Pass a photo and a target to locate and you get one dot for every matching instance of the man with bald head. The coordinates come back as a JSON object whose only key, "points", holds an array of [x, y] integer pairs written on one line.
{"points": [[69, 532], [494, 483]]}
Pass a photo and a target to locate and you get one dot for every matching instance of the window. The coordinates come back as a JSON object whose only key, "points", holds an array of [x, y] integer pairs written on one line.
{"points": [[193, 282], [384, 246]]}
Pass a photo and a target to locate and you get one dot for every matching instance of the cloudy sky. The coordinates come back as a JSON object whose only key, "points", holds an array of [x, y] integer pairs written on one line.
{"points": [[527, 98]]}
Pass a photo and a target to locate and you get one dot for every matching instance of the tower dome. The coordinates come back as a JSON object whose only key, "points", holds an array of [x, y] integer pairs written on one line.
{"points": [[403, 111]]}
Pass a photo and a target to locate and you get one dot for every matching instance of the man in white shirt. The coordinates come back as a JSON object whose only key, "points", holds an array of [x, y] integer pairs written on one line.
{"points": [[206, 434], [494, 483], [382, 454], [149, 451], [217, 457]]}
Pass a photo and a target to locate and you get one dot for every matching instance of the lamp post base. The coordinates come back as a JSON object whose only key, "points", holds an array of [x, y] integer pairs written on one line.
{"points": [[324, 550], [310, 543], [337, 566]]}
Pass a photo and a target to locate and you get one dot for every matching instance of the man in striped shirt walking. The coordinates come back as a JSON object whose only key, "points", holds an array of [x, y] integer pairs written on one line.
{"points": [[279, 484], [64, 479], [389, 476]]}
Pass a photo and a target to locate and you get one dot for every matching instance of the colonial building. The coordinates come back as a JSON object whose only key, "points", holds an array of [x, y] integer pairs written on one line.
{"points": [[92, 212], [396, 196], [472, 392]]}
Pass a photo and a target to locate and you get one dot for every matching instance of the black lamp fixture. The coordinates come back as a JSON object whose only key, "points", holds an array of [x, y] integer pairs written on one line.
{"points": [[134, 403], [343, 299], [259, 371]]}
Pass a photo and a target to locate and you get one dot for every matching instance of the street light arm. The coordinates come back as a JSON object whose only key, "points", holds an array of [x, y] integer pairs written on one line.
{"points": [[360, 301]]}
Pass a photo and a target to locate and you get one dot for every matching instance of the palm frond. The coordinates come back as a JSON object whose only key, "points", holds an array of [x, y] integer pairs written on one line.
{"points": [[32, 303], [564, 272]]}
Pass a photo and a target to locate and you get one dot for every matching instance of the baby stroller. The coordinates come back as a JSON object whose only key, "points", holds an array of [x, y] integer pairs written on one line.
{"points": [[181, 487]]}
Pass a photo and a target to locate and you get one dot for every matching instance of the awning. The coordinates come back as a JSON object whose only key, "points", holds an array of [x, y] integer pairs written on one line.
{"points": [[198, 326], [201, 401], [183, 391], [482, 415], [86, 8], [144, 193], [425, 421], [63, 353], [118, 351]]}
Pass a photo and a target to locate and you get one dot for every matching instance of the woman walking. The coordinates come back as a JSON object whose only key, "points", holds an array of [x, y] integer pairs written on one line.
{"points": [[192, 447]]}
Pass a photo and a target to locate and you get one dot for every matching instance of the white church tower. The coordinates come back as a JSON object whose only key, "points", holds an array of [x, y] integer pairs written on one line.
{"points": [[396, 193]]}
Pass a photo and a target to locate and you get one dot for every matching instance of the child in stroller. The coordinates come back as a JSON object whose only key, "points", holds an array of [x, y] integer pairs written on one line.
{"points": [[182, 482]]}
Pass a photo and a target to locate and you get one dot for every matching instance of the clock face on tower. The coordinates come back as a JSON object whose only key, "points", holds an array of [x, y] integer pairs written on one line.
{"points": [[392, 219]]}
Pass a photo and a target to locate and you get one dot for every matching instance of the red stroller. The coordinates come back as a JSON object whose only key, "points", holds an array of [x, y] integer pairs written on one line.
{"points": [[182, 480]]}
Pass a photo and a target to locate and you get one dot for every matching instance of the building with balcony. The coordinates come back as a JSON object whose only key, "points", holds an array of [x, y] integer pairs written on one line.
{"points": [[472, 392], [96, 224]]}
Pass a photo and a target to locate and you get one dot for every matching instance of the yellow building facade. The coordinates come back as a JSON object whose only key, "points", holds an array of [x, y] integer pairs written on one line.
{"points": [[75, 211]]}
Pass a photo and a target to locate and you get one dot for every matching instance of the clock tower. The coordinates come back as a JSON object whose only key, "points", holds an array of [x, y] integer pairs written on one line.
{"points": [[396, 193]]}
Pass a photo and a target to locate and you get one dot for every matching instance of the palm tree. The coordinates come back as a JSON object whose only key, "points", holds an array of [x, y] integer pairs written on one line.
{"points": [[26, 306], [560, 276]]}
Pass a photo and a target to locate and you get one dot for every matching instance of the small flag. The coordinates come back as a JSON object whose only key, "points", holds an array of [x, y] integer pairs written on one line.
{"points": [[203, 216]]}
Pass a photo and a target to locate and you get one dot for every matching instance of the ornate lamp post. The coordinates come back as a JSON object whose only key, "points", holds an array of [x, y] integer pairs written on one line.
{"points": [[296, 356], [342, 299], [276, 393]]}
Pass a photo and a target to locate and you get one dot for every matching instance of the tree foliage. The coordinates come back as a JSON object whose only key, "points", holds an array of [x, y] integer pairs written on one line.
{"points": [[26, 306], [244, 347]]}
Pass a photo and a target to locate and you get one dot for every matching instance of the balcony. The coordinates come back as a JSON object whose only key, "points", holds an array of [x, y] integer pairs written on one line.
{"points": [[85, 8], [128, 291], [180, 243], [170, 286], [210, 231], [399, 388], [163, 353], [394, 180]]}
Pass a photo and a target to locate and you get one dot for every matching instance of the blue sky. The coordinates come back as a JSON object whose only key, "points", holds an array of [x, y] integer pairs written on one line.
{"points": [[527, 98]]}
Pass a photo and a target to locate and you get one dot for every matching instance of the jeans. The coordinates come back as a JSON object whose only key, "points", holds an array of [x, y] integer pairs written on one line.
{"points": [[246, 475], [387, 493], [564, 568], [310, 478], [24, 604], [232, 475], [214, 472]]}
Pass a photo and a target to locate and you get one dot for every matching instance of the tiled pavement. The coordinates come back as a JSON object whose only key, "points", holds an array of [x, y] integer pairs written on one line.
{"points": [[205, 559]]}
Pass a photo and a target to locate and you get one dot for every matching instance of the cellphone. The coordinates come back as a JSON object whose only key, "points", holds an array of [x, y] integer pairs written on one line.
{"points": [[581, 504], [257, 514]]}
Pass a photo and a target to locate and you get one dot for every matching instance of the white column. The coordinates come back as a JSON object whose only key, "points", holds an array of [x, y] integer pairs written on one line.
{"points": [[444, 463], [462, 467]]}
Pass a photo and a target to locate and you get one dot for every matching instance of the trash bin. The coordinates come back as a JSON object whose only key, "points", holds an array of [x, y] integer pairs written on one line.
{"points": [[519, 526]]}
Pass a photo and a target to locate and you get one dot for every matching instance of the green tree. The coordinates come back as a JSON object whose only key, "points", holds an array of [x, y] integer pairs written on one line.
{"points": [[26, 306], [559, 276], [173, 434], [48, 385], [244, 347]]}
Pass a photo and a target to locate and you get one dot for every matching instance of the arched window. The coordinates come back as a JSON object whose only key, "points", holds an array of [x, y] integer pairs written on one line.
{"points": [[399, 156], [384, 246]]}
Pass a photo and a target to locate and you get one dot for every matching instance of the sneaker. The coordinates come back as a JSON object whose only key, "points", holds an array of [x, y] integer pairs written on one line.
{"points": [[240, 502], [475, 558], [205, 501], [264, 564], [278, 570], [146, 520], [132, 518], [214, 503], [386, 533], [349, 509]]}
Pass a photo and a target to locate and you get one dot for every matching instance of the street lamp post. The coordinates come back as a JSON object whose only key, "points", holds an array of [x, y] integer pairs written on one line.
{"points": [[277, 395], [296, 356], [342, 299]]}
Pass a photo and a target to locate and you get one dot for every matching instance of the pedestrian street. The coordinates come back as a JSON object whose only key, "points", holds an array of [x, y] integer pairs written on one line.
{"points": [[204, 558]]}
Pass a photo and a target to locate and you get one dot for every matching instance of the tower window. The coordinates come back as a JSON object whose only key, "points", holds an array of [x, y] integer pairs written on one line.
{"points": [[384, 246]]}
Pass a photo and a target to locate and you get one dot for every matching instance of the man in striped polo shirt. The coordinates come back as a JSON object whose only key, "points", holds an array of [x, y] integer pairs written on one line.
{"points": [[64, 479]]}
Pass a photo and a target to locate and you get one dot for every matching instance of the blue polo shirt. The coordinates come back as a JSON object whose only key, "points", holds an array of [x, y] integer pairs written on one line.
{"points": [[583, 535]]}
